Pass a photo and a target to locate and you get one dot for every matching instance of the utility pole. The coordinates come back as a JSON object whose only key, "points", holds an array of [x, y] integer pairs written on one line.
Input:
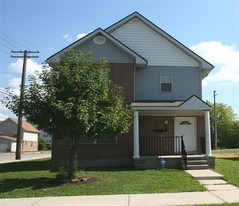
{"points": [[22, 94], [215, 120]]}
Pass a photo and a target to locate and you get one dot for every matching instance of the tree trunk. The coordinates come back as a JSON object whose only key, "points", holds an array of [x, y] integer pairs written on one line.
{"points": [[73, 159]]}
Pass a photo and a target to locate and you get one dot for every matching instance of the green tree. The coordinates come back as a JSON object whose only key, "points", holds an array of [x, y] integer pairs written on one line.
{"points": [[41, 144], [227, 126], [74, 99]]}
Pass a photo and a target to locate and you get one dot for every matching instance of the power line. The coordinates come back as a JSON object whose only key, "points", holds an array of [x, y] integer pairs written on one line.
{"points": [[5, 52], [9, 43], [9, 37], [6, 46]]}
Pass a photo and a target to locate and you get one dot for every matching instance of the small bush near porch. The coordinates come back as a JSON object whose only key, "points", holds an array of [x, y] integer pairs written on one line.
{"points": [[33, 179]]}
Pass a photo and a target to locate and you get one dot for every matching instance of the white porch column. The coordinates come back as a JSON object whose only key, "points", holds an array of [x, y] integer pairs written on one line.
{"points": [[136, 134], [207, 134]]}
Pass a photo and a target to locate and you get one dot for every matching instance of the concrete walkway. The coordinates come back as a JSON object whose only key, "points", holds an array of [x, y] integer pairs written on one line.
{"points": [[219, 191]]}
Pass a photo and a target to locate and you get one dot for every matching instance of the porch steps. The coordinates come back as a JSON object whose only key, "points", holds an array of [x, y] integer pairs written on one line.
{"points": [[196, 163]]}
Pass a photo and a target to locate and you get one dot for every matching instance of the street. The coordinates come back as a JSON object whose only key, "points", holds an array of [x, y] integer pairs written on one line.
{"points": [[10, 157]]}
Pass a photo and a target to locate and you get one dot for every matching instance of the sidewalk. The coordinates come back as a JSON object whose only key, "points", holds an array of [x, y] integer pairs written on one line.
{"points": [[219, 191], [188, 198], [10, 157]]}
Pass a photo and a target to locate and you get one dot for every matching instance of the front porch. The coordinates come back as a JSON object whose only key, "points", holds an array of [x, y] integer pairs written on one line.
{"points": [[161, 127]]}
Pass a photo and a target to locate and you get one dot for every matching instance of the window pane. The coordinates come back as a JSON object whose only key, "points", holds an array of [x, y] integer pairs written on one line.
{"points": [[166, 87], [106, 140], [87, 140], [166, 78]]}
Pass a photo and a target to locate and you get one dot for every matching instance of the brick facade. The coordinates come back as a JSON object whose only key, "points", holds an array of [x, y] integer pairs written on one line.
{"points": [[29, 146], [122, 150], [123, 75]]}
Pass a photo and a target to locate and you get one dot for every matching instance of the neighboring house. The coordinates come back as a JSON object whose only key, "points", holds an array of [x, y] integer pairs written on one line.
{"points": [[162, 81], [8, 131], [46, 137], [7, 144]]}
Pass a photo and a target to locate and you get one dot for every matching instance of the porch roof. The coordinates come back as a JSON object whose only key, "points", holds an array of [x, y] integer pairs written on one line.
{"points": [[194, 103]]}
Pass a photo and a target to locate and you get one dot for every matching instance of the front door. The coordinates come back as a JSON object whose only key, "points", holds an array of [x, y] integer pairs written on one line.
{"points": [[187, 127]]}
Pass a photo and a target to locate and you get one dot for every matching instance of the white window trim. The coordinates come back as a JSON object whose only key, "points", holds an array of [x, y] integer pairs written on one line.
{"points": [[160, 89]]}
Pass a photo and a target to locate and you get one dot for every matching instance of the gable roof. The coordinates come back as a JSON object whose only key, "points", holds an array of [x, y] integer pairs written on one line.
{"points": [[8, 138], [192, 103], [205, 64], [27, 127], [138, 59]]}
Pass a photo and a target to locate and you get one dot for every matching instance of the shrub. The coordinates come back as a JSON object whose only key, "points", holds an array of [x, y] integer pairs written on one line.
{"points": [[41, 144]]}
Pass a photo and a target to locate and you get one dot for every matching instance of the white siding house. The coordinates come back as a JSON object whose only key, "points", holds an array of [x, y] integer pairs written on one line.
{"points": [[8, 128]]}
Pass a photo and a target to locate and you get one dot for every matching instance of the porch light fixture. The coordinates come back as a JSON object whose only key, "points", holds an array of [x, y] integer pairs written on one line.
{"points": [[165, 125]]}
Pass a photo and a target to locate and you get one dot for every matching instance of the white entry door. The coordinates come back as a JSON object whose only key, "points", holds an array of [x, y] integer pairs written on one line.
{"points": [[187, 127]]}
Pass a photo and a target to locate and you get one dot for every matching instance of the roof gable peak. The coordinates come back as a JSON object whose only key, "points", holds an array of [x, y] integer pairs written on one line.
{"points": [[140, 61], [205, 64]]}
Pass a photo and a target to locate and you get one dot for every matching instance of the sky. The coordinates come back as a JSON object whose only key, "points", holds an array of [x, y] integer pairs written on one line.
{"points": [[208, 27]]}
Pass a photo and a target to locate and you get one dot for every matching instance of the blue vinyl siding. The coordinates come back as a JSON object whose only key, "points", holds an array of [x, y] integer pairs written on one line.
{"points": [[186, 82], [109, 50]]}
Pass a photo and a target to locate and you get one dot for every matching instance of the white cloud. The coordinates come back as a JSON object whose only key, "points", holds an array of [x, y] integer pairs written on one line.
{"points": [[32, 66], [16, 67], [4, 112], [14, 82], [68, 37], [79, 36], [225, 58], [3, 116]]}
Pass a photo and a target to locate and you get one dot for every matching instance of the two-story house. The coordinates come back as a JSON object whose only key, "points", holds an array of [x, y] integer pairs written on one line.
{"points": [[8, 134], [162, 81]]}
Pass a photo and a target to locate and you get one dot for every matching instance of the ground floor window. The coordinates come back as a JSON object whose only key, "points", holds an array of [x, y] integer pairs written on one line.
{"points": [[102, 140]]}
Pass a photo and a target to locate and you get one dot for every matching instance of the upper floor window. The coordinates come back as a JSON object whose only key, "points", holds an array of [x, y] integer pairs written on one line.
{"points": [[166, 82]]}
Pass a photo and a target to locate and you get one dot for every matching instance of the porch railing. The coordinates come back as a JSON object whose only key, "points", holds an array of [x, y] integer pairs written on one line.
{"points": [[184, 154], [161, 145]]}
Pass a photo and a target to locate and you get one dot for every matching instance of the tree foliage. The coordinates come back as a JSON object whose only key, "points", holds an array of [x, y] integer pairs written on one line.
{"points": [[227, 126], [73, 99]]}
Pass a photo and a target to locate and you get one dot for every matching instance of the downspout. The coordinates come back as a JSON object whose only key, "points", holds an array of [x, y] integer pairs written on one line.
{"points": [[134, 83], [200, 80]]}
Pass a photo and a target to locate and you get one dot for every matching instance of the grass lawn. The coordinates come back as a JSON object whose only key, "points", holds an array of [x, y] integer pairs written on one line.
{"points": [[225, 204], [226, 151], [34, 179], [228, 167]]}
